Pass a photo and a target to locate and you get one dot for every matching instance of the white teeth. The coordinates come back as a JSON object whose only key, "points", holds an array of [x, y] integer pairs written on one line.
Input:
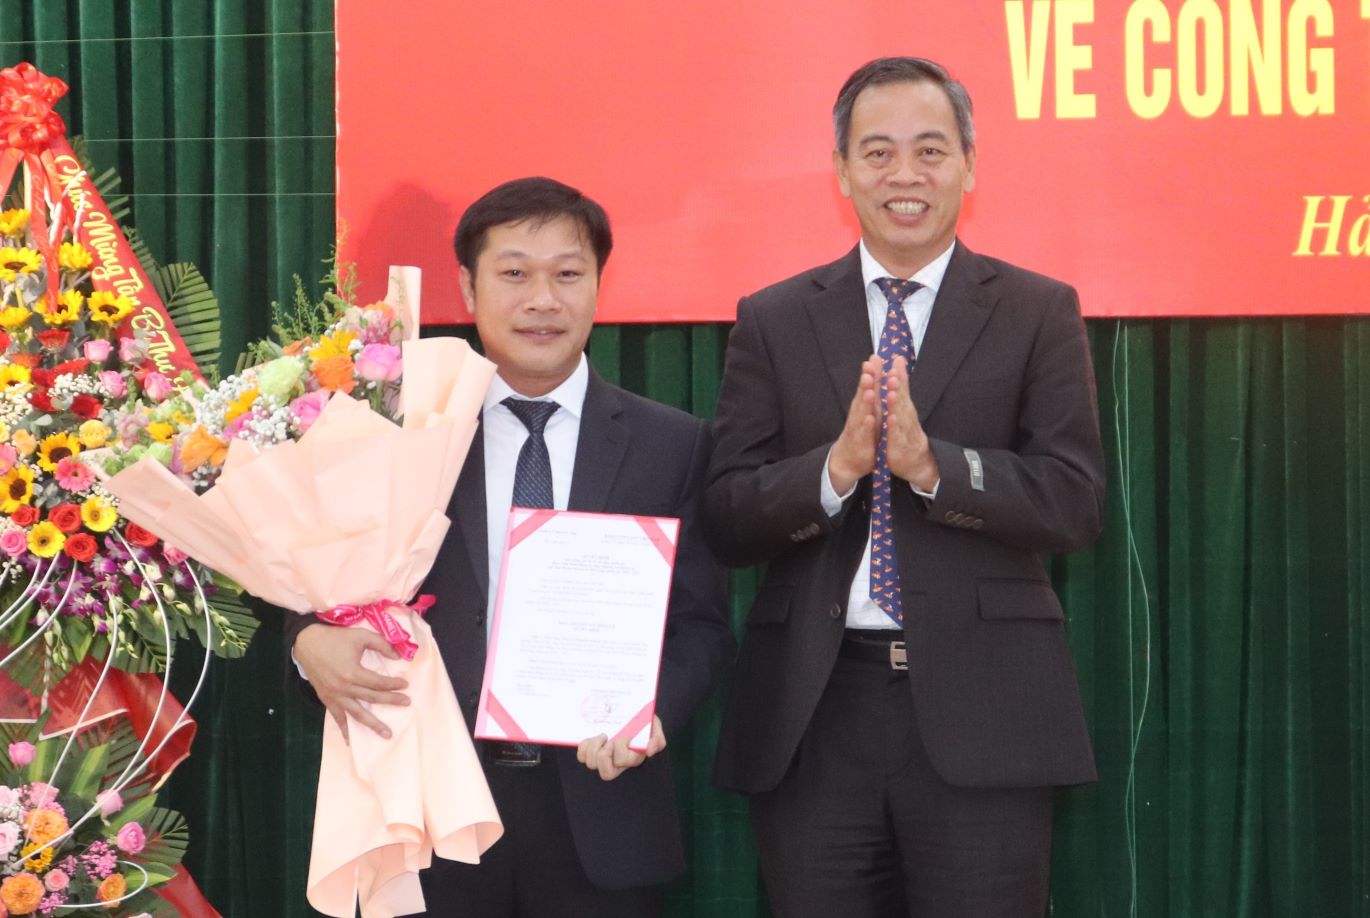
{"points": [[907, 207]]}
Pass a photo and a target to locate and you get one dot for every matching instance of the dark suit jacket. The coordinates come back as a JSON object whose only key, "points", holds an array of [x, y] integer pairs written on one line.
{"points": [[1004, 372], [633, 456]]}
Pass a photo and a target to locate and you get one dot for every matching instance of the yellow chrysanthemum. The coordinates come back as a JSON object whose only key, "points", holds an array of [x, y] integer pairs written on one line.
{"points": [[14, 378], [14, 262], [38, 862], [74, 257], [98, 515], [12, 317], [56, 447], [13, 223], [338, 344], [161, 431], [24, 441], [44, 824], [46, 540], [16, 488], [240, 406], [92, 434], [109, 308], [67, 310]]}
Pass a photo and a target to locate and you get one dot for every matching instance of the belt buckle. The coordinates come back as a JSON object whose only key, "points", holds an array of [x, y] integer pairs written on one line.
{"points": [[899, 656], [515, 755]]}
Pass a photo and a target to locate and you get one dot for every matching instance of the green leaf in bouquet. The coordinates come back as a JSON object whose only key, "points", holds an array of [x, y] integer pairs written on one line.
{"points": [[232, 621], [90, 772], [107, 183], [134, 811], [168, 835], [138, 244], [195, 310]]}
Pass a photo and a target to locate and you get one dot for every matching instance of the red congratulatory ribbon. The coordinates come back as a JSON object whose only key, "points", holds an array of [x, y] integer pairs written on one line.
{"points": [[377, 614]]}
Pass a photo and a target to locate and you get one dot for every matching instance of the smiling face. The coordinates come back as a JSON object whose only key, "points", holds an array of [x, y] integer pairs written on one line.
{"points": [[533, 294], [905, 172]]}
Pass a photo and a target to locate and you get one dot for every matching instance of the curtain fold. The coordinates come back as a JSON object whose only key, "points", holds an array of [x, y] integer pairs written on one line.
{"points": [[1218, 625]]}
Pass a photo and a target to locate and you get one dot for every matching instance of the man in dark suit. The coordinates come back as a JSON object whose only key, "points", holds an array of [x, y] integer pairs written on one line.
{"points": [[593, 830], [901, 435]]}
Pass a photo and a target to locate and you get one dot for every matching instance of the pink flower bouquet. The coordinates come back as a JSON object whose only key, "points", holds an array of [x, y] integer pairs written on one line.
{"points": [[351, 516]]}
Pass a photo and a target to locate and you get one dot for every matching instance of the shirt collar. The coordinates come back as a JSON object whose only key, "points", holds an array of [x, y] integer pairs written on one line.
{"points": [[930, 276], [570, 395]]}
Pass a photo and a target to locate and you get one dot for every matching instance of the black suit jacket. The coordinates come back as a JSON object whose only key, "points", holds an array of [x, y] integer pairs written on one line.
{"points": [[1004, 388], [633, 456]]}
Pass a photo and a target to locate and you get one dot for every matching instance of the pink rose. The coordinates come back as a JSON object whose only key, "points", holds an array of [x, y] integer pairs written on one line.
{"points": [[14, 542], [9, 837], [21, 753], [114, 383], [8, 456], [110, 803], [307, 408], [157, 387], [56, 880], [132, 351], [40, 793], [130, 839], [8, 797], [173, 554], [379, 363], [97, 350]]}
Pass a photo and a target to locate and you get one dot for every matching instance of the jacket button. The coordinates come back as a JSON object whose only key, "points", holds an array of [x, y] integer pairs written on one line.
{"points": [[480, 619], [835, 611], [951, 516], [977, 524], [473, 699]]}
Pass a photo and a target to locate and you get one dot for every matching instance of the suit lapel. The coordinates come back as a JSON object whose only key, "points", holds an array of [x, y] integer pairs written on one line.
{"points": [[962, 307], [841, 324], [468, 513], [600, 448]]}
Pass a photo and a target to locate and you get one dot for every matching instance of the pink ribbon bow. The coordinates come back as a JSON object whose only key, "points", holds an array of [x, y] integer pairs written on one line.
{"points": [[378, 615]]}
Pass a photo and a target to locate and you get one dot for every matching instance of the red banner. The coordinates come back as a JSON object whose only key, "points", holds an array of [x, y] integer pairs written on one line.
{"points": [[1184, 157]]}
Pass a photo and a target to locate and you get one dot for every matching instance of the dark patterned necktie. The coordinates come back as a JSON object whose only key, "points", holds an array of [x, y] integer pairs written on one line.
{"points": [[895, 339], [533, 474]]}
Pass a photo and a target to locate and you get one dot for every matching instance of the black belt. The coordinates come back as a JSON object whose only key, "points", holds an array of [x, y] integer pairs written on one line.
{"points": [[876, 645], [513, 755]]}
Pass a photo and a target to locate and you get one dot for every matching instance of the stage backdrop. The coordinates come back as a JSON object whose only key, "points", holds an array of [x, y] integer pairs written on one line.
{"points": [[1168, 158]]}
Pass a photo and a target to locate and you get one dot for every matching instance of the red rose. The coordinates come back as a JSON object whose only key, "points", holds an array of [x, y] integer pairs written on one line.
{"points": [[24, 515], [81, 547], [42, 377], [74, 367], [66, 517], [55, 338], [26, 360], [86, 406], [39, 399], [4, 342], [139, 536]]}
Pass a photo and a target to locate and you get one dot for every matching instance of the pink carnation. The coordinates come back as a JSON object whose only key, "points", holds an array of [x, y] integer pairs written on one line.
{"points": [[41, 794], [56, 880], [157, 387], [307, 408], [8, 456], [173, 554], [21, 753], [130, 428], [73, 474], [130, 838], [14, 542], [97, 350], [110, 803], [114, 383], [380, 363]]}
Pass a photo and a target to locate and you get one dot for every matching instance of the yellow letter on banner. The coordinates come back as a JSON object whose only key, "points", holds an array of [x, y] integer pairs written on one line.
{"points": [[1320, 99], [1071, 57], [1142, 14], [1028, 61], [1196, 14], [1256, 54]]}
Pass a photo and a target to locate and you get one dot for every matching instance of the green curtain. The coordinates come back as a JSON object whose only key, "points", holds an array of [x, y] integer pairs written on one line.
{"points": [[1218, 624]]}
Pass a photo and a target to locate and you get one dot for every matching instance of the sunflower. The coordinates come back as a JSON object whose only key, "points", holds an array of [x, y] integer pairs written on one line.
{"points": [[67, 310], [14, 262], [16, 488], [12, 317], [46, 540], [161, 431], [109, 308], [98, 515], [38, 862], [74, 257], [55, 447], [13, 223], [14, 378]]}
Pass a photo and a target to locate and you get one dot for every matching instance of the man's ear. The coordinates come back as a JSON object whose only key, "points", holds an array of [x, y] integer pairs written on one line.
{"points": [[839, 165], [468, 290]]}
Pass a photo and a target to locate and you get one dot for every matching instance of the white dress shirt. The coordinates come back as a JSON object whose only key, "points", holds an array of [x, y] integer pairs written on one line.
{"points": [[503, 435], [862, 611]]}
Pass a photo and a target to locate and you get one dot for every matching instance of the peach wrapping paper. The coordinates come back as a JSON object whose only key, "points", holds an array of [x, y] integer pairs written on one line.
{"points": [[353, 512]]}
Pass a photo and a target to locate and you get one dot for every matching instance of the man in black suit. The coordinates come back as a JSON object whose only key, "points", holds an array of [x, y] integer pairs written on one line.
{"points": [[901, 435], [593, 830]]}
